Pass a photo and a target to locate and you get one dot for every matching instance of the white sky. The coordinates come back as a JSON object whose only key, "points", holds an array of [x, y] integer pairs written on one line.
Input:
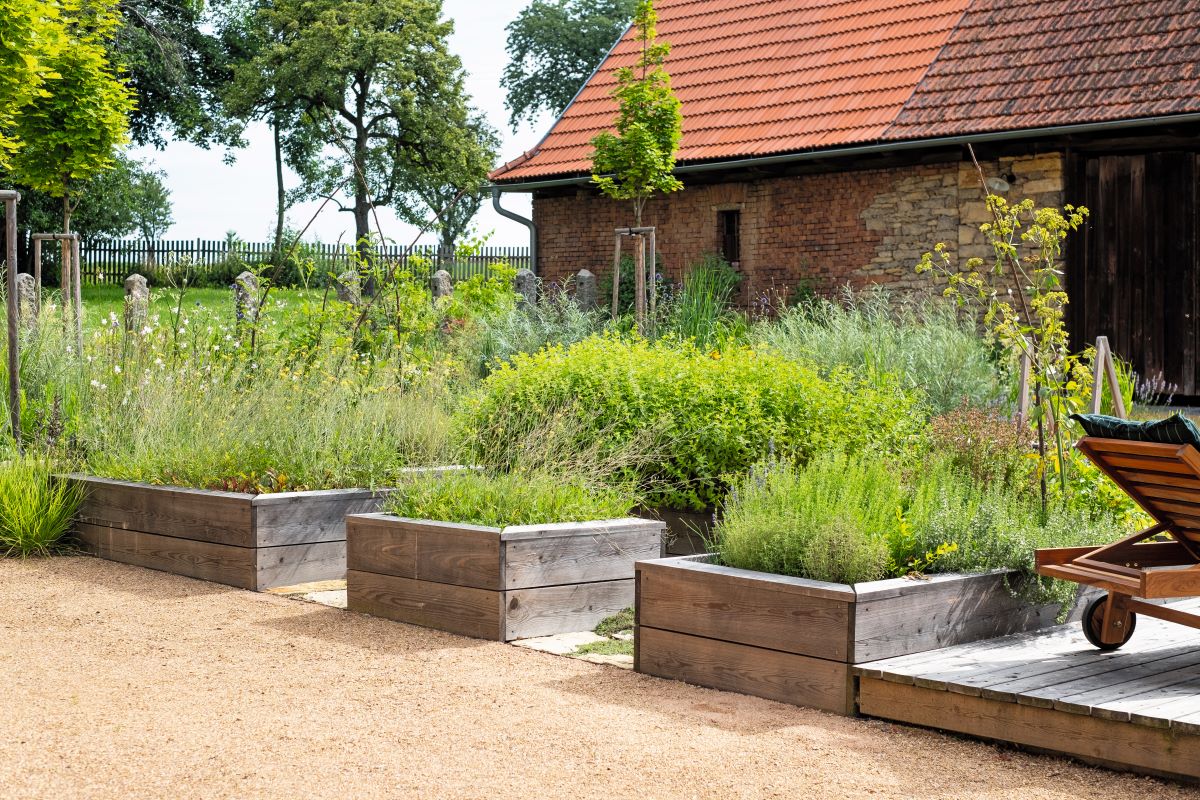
{"points": [[211, 197]]}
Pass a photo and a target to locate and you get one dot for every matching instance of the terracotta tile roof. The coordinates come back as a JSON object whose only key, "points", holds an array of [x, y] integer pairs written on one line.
{"points": [[765, 77], [1014, 64], [760, 77]]}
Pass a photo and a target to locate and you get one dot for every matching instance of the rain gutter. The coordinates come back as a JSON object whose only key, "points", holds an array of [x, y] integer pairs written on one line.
{"points": [[528, 223]]}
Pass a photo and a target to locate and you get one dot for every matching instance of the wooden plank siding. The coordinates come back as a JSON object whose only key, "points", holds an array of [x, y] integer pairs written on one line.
{"points": [[1133, 270], [252, 542], [1137, 708], [504, 584], [806, 634]]}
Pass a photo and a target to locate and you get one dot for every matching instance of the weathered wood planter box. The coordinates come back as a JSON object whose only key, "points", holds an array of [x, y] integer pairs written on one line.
{"points": [[251, 541], [796, 640], [495, 583]]}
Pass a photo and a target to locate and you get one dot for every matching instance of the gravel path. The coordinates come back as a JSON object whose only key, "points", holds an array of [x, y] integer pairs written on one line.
{"points": [[119, 682]]}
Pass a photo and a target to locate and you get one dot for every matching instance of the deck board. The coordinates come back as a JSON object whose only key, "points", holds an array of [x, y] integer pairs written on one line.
{"points": [[1152, 684]]}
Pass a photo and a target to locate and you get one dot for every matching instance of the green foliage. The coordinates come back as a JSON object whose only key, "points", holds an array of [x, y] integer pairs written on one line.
{"points": [[555, 320], [518, 498], [827, 521], [639, 160], [1023, 303], [151, 204], [982, 445], [375, 78], [173, 53], [999, 527], [30, 36], [714, 413], [553, 47], [924, 344], [35, 510], [701, 309], [70, 131], [620, 622]]}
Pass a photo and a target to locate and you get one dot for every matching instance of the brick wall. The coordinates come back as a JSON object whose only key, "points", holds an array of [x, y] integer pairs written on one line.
{"points": [[820, 230]]}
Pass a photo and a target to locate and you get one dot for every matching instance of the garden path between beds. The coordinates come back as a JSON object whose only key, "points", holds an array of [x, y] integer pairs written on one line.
{"points": [[121, 682]]}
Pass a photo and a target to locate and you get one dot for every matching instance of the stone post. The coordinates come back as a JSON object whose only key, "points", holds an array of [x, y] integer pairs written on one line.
{"points": [[245, 298], [27, 300], [585, 290], [525, 284], [442, 285], [137, 303], [349, 289]]}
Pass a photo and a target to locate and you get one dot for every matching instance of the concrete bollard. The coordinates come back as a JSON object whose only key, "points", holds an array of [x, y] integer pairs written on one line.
{"points": [[137, 303], [245, 298], [27, 300], [526, 284], [349, 287], [586, 294], [442, 285]]}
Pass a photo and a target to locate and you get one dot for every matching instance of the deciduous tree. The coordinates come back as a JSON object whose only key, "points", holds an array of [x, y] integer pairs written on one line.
{"points": [[71, 131], [379, 79], [30, 33], [553, 48]]}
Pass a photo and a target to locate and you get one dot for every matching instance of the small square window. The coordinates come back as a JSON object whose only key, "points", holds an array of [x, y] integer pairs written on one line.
{"points": [[730, 232]]}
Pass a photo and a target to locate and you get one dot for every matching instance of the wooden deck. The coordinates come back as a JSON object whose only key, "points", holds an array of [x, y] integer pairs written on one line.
{"points": [[1137, 708]]}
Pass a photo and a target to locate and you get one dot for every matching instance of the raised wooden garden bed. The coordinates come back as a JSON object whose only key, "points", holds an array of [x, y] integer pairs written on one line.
{"points": [[251, 541], [495, 583], [796, 640]]}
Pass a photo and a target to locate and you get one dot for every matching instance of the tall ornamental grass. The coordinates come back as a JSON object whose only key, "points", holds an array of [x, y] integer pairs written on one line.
{"points": [[35, 509], [924, 343]]}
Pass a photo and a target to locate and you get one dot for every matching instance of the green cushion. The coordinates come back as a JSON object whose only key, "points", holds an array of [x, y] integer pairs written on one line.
{"points": [[1175, 429]]}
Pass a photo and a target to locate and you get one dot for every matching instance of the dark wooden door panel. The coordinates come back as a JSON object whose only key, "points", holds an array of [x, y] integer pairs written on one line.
{"points": [[1132, 273]]}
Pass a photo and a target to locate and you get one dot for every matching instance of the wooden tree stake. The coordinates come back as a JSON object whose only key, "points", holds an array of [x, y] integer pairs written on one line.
{"points": [[11, 198], [1106, 368]]}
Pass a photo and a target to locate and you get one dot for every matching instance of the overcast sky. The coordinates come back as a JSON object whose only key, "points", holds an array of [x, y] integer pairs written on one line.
{"points": [[211, 197]]}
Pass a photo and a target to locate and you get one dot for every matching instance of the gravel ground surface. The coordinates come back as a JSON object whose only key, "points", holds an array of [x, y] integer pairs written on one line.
{"points": [[119, 682]]}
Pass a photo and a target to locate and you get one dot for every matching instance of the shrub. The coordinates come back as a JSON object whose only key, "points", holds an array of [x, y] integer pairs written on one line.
{"points": [[711, 415], [557, 319], [993, 527], [983, 445], [519, 498], [924, 344], [35, 509], [827, 521]]}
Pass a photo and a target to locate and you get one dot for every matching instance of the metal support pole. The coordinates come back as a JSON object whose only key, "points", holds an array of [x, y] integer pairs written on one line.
{"points": [[11, 198]]}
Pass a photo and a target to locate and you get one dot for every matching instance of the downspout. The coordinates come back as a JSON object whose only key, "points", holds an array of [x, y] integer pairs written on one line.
{"points": [[528, 223]]}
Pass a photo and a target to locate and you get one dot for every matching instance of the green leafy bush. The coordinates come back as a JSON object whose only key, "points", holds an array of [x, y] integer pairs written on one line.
{"points": [[925, 344], [518, 498], [827, 521], [711, 415], [852, 518], [35, 509], [556, 319]]}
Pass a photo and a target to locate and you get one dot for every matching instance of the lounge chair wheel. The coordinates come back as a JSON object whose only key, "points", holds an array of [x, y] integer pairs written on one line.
{"points": [[1093, 620]]}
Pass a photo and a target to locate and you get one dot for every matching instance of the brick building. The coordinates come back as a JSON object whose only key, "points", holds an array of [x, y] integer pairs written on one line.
{"points": [[825, 142]]}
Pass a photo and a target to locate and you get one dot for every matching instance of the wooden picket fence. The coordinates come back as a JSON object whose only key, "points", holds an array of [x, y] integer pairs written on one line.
{"points": [[111, 261]]}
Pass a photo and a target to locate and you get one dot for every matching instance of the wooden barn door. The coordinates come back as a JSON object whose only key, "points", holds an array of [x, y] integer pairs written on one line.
{"points": [[1132, 274]]}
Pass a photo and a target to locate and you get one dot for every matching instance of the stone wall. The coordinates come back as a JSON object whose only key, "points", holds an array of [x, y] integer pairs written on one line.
{"points": [[821, 231]]}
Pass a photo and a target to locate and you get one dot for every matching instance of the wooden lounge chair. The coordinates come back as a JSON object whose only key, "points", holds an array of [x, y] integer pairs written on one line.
{"points": [[1160, 562]]}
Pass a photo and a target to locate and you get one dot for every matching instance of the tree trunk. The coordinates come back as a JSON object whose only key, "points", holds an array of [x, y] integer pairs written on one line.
{"points": [[280, 194]]}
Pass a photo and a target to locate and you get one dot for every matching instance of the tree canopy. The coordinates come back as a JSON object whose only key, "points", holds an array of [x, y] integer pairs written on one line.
{"points": [[176, 66], [376, 77], [70, 131], [30, 34], [554, 46], [638, 161]]}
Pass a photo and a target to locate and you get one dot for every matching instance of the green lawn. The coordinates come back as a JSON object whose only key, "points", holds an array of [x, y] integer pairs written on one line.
{"points": [[210, 305]]}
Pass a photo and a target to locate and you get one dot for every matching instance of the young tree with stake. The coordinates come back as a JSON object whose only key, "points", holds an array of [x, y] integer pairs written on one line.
{"points": [[638, 161]]}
